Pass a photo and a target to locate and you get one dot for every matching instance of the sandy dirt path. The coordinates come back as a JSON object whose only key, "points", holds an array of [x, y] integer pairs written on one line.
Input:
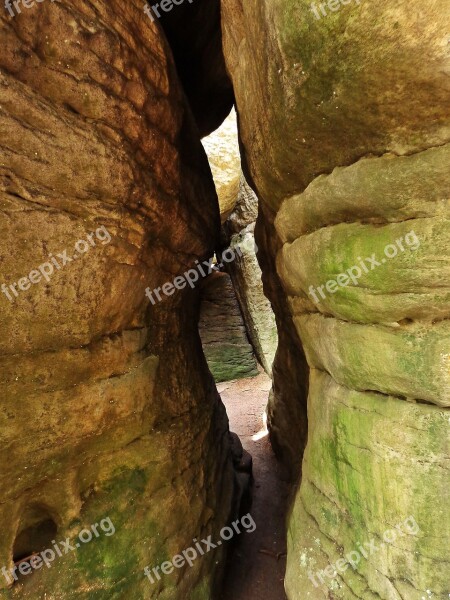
{"points": [[257, 564]]}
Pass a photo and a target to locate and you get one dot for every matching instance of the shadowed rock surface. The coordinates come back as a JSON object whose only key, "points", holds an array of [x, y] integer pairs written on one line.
{"points": [[222, 330], [238, 212], [194, 33], [246, 276]]}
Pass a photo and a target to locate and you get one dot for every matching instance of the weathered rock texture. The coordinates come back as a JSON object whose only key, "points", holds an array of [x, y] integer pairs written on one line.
{"points": [[238, 212], [222, 148], [245, 211], [222, 331], [247, 277], [344, 121], [107, 405]]}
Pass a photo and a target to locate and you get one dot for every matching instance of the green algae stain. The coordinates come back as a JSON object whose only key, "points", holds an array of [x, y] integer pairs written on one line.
{"points": [[202, 591]]}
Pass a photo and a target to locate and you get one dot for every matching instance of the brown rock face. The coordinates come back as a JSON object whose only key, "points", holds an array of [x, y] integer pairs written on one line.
{"points": [[344, 123], [107, 406], [330, 96], [109, 417]]}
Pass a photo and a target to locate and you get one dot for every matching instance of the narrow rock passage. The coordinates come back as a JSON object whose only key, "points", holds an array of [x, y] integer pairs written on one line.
{"points": [[257, 565]]}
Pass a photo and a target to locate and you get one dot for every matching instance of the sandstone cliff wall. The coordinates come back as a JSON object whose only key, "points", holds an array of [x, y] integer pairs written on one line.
{"points": [[346, 143]]}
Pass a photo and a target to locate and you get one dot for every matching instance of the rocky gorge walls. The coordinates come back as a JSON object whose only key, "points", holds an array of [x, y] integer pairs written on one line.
{"points": [[234, 311], [108, 410], [239, 233], [110, 422], [345, 139]]}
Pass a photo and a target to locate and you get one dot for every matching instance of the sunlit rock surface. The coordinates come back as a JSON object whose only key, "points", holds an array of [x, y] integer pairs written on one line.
{"points": [[222, 149]]}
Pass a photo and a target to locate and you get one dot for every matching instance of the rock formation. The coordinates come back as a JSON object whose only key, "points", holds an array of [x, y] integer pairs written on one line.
{"points": [[238, 211], [108, 409], [346, 143], [247, 277], [193, 30], [222, 331], [222, 149], [107, 405]]}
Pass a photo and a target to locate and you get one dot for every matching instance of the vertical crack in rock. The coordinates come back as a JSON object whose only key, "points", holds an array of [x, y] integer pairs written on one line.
{"points": [[193, 30]]}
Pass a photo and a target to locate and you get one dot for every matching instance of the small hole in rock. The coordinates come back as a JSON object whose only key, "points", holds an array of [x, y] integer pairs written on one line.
{"points": [[36, 531]]}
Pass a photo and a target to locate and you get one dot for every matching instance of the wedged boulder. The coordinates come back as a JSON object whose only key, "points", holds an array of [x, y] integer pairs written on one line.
{"points": [[107, 405]]}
